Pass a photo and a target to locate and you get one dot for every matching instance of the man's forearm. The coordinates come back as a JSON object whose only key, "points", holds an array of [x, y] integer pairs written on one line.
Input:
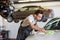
{"points": [[43, 30], [39, 29]]}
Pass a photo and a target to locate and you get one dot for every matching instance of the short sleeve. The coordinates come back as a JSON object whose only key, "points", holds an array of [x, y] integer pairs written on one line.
{"points": [[30, 19]]}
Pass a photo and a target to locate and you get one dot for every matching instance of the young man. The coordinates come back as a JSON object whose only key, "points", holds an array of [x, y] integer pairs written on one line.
{"points": [[28, 24]]}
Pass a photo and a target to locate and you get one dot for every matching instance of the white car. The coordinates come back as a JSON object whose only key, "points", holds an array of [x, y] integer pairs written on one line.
{"points": [[54, 25]]}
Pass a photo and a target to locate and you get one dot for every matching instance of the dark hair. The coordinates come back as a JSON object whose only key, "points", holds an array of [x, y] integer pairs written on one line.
{"points": [[38, 12]]}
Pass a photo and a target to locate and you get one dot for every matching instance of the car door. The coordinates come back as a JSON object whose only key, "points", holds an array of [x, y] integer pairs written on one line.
{"points": [[21, 13]]}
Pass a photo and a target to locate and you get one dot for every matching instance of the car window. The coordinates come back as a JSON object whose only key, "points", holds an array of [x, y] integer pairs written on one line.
{"points": [[33, 8], [23, 9], [53, 25]]}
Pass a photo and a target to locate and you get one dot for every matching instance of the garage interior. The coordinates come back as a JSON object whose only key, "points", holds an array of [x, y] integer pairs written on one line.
{"points": [[9, 27]]}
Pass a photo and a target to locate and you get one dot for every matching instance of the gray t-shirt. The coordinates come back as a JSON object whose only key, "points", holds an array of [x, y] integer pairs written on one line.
{"points": [[28, 19]]}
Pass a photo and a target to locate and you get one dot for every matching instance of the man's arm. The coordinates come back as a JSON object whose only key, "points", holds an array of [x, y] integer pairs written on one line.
{"points": [[37, 28]]}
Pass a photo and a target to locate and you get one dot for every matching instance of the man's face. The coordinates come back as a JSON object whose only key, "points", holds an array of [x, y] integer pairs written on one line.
{"points": [[39, 17]]}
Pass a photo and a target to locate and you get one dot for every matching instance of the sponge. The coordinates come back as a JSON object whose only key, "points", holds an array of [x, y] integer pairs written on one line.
{"points": [[50, 32]]}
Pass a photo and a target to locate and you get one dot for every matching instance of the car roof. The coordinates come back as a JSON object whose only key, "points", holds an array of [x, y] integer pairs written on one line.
{"points": [[30, 6]]}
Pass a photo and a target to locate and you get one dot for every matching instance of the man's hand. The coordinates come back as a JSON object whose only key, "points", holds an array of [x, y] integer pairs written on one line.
{"points": [[43, 30]]}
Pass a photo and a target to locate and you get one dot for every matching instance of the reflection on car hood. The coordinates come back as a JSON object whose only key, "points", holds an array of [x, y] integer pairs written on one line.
{"points": [[55, 36]]}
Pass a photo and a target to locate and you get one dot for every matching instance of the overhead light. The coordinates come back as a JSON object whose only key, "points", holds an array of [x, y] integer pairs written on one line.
{"points": [[5, 19], [22, 1], [29, 0]]}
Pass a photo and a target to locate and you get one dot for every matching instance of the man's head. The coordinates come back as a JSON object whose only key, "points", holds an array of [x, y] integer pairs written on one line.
{"points": [[38, 15]]}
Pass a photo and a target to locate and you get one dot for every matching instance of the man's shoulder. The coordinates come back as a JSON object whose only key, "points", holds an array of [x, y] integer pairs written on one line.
{"points": [[31, 16]]}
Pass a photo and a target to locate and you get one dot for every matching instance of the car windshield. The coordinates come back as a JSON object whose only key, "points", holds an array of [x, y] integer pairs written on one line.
{"points": [[53, 24]]}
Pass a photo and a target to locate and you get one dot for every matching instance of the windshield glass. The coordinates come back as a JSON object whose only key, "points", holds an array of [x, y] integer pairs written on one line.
{"points": [[53, 24]]}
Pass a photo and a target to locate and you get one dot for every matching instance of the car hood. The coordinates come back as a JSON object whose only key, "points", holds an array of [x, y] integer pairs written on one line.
{"points": [[41, 36]]}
